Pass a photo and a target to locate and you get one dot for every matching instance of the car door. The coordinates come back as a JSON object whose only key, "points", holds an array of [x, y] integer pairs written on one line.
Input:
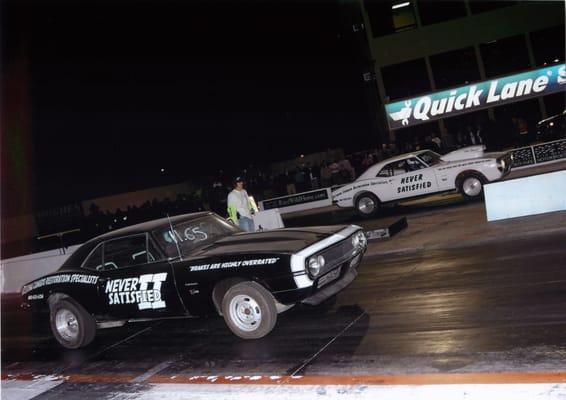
{"points": [[136, 281], [409, 177]]}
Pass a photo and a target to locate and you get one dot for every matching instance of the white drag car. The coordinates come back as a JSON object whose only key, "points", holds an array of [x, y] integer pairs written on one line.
{"points": [[422, 173]]}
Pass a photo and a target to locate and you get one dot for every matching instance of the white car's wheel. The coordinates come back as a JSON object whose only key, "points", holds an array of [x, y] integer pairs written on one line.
{"points": [[471, 186], [249, 310], [367, 205]]}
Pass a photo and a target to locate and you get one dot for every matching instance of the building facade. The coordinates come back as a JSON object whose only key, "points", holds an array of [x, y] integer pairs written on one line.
{"points": [[423, 46]]}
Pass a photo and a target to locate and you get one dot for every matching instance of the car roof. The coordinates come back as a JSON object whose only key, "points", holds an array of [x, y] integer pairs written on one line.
{"points": [[76, 259], [150, 225], [381, 164]]}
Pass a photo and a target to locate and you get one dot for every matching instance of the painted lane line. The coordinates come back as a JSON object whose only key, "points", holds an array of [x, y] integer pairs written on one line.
{"points": [[61, 370], [315, 355], [503, 378], [353, 322], [28, 389], [151, 372], [337, 392]]}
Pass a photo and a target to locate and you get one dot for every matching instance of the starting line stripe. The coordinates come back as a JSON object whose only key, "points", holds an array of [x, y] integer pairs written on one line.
{"points": [[390, 380]]}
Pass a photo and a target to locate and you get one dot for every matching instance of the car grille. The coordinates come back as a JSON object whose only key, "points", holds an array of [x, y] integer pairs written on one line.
{"points": [[508, 162], [337, 254]]}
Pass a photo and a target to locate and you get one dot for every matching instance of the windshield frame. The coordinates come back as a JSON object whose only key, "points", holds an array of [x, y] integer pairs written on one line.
{"points": [[436, 159], [180, 252]]}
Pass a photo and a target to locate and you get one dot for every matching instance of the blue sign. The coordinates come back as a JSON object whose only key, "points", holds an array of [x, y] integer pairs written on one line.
{"points": [[464, 99]]}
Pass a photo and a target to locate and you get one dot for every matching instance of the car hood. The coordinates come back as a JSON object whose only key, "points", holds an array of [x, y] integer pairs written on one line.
{"points": [[465, 153], [289, 240]]}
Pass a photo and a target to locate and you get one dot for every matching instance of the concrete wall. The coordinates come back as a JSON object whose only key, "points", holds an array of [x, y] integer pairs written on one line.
{"points": [[16, 272]]}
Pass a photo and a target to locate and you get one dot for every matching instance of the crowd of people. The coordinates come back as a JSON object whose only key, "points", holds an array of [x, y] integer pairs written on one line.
{"points": [[97, 221], [262, 183]]}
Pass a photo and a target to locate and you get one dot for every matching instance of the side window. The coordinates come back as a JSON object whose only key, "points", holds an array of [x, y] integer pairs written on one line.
{"points": [[400, 167], [393, 169], [414, 164], [94, 261], [125, 252]]}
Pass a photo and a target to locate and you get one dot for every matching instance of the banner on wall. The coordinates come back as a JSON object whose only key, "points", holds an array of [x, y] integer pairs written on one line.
{"points": [[465, 99]]}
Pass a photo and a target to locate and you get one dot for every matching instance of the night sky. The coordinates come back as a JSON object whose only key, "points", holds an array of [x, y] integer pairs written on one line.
{"points": [[121, 89]]}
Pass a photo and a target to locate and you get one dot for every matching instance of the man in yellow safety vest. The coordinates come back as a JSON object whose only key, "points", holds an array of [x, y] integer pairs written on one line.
{"points": [[240, 208]]}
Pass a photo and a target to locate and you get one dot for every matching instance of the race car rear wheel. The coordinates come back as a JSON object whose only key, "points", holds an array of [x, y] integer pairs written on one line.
{"points": [[471, 186], [367, 205], [249, 310], [71, 324]]}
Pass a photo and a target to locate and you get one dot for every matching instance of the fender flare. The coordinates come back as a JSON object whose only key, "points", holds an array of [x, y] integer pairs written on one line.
{"points": [[364, 192], [469, 172]]}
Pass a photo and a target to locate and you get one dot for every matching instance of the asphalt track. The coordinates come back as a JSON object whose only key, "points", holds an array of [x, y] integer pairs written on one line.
{"points": [[461, 314]]}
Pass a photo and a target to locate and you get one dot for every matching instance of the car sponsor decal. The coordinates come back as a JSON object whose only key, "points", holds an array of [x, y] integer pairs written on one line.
{"points": [[65, 278], [464, 164], [38, 296], [145, 291], [234, 264], [416, 183]]}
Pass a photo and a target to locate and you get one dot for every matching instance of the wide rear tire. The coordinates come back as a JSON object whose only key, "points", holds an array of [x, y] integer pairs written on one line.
{"points": [[367, 205], [71, 324]]}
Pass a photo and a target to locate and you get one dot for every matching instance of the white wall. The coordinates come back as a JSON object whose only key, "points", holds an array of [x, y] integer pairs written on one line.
{"points": [[16, 272], [531, 195]]}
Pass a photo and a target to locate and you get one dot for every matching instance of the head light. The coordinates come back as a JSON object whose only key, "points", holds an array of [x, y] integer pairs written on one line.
{"points": [[362, 238], [355, 240], [315, 264], [359, 240]]}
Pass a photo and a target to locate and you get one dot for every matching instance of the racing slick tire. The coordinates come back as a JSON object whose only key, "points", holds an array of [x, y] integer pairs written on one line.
{"points": [[71, 324], [249, 310], [471, 185], [367, 205]]}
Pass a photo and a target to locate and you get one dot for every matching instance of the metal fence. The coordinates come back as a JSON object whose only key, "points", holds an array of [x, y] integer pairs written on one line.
{"points": [[539, 153]]}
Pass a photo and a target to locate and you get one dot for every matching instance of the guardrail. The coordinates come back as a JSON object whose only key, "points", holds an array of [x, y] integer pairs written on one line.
{"points": [[539, 154]]}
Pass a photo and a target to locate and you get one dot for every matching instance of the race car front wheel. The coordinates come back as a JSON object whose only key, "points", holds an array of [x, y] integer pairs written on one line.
{"points": [[367, 205], [71, 324], [471, 186], [249, 310]]}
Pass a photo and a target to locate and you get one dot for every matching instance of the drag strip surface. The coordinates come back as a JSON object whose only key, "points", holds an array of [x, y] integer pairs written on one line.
{"points": [[498, 307]]}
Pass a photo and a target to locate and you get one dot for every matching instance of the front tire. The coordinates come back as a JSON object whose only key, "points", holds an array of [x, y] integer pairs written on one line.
{"points": [[367, 205], [249, 310], [71, 324], [471, 186]]}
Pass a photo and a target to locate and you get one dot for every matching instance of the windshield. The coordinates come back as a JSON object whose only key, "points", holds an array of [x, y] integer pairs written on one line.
{"points": [[192, 234], [430, 158]]}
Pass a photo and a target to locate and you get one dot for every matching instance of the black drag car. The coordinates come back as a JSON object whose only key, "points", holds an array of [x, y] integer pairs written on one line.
{"points": [[193, 265]]}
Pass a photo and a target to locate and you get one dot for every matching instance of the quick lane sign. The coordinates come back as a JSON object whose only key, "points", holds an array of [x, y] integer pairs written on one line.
{"points": [[447, 103]]}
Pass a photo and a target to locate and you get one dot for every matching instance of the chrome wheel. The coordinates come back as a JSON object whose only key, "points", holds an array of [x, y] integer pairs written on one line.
{"points": [[67, 324], [472, 186], [245, 313], [366, 205]]}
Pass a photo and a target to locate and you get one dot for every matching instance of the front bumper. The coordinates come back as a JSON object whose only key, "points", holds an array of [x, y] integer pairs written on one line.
{"points": [[347, 273]]}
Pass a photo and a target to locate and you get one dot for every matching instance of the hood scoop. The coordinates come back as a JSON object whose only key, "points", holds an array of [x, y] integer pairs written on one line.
{"points": [[466, 153]]}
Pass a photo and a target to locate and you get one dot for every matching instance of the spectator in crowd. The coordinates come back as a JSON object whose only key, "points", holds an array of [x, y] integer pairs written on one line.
{"points": [[217, 198], [300, 180], [325, 174], [334, 173], [438, 142], [290, 183], [347, 171]]}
